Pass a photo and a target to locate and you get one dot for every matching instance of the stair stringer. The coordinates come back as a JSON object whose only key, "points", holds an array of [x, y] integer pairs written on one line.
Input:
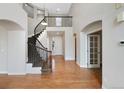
{"points": [[32, 70]]}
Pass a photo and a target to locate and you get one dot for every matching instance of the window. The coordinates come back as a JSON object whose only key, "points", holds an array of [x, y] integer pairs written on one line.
{"points": [[58, 21]]}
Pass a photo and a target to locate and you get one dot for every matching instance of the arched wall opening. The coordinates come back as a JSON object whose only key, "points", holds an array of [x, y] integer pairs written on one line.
{"points": [[12, 47], [10, 25], [90, 28], [93, 29]]}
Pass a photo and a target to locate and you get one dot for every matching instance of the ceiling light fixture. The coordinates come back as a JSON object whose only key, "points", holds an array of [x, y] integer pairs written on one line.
{"points": [[38, 11], [25, 4], [58, 9]]}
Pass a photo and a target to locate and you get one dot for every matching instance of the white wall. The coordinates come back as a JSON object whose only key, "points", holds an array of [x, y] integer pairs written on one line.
{"points": [[84, 14], [113, 60], [16, 52], [3, 50], [32, 22], [69, 44], [30, 26], [14, 12], [16, 38], [12, 50], [69, 41]]}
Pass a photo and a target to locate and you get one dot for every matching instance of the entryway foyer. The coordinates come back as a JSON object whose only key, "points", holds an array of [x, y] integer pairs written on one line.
{"points": [[66, 74]]}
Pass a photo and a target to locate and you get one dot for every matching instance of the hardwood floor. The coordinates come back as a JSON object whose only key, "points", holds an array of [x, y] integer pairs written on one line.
{"points": [[65, 75]]}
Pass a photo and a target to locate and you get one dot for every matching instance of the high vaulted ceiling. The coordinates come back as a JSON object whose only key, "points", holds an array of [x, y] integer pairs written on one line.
{"points": [[54, 8]]}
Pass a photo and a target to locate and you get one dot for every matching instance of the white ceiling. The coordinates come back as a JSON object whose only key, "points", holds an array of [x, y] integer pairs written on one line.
{"points": [[63, 8]]}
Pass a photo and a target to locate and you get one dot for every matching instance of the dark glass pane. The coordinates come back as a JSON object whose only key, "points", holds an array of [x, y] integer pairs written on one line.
{"points": [[91, 50], [95, 39], [95, 61], [91, 44], [95, 44], [95, 50], [91, 55], [95, 55], [91, 38], [91, 61]]}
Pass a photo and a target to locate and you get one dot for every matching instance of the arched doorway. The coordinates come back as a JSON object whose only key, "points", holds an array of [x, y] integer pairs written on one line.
{"points": [[12, 47], [91, 47]]}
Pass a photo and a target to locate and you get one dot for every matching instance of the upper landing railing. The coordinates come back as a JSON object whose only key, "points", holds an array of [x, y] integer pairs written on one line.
{"points": [[59, 21]]}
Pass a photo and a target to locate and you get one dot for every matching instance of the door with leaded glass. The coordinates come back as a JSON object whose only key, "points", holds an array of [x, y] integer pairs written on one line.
{"points": [[93, 51]]}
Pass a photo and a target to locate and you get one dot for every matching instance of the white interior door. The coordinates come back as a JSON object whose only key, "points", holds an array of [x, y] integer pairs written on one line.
{"points": [[93, 51], [58, 47]]}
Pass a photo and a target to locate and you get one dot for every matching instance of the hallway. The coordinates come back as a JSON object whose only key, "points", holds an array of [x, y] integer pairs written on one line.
{"points": [[66, 74]]}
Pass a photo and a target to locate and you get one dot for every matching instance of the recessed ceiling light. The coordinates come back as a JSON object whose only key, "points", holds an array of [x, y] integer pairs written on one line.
{"points": [[58, 9], [25, 4], [38, 11]]}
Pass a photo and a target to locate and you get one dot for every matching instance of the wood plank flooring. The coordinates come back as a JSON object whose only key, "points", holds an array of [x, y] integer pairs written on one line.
{"points": [[65, 75]]}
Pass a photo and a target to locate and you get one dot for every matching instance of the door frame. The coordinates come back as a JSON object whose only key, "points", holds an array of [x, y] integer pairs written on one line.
{"points": [[54, 48], [75, 45], [84, 47], [88, 52]]}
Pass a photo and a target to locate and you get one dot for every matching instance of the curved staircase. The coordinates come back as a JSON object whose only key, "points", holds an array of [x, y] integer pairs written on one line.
{"points": [[39, 56]]}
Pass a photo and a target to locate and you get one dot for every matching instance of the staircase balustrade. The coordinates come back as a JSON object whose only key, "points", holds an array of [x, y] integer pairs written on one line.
{"points": [[39, 55]]}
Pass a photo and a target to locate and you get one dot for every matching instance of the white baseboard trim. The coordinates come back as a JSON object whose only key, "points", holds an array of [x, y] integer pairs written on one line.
{"points": [[83, 66], [78, 64], [3, 72], [34, 73], [103, 87], [67, 59], [16, 73]]}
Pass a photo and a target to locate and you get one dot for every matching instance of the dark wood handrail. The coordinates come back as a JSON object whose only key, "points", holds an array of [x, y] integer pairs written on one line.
{"points": [[43, 49], [40, 48], [38, 25], [39, 33], [41, 44]]}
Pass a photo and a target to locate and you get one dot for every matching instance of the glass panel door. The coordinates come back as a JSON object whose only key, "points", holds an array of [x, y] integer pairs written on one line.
{"points": [[94, 50]]}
